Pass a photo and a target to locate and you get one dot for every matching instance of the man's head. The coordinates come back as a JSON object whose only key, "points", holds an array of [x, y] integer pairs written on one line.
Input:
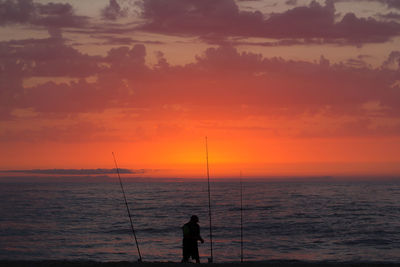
{"points": [[194, 218]]}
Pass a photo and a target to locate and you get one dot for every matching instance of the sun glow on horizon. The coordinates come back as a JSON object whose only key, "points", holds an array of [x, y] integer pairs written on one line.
{"points": [[273, 96]]}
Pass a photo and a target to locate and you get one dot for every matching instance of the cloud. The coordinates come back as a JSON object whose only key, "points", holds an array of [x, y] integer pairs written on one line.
{"points": [[222, 81], [51, 58], [391, 3], [388, 3], [282, 42], [301, 22], [291, 2], [55, 33], [196, 17], [11, 78], [317, 21], [78, 132], [16, 11], [29, 12], [76, 171], [58, 15], [114, 40], [47, 57], [129, 62], [355, 127], [393, 60], [127, 82], [356, 62], [113, 11], [78, 96], [223, 18], [390, 16]]}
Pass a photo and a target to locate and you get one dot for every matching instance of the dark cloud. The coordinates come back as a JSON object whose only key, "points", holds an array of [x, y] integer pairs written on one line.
{"points": [[112, 40], [356, 63], [11, 79], [115, 40], [51, 58], [317, 21], [223, 18], [47, 57], [354, 128], [55, 33], [219, 81], [16, 11], [74, 97], [361, 30], [287, 42], [291, 2], [113, 11], [58, 15], [388, 3], [390, 16], [67, 132], [76, 171], [391, 3], [197, 17], [275, 82], [393, 60], [306, 21], [126, 61], [49, 15]]}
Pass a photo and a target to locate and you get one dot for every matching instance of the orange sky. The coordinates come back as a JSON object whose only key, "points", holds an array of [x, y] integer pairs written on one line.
{"points": [[301, 88]]}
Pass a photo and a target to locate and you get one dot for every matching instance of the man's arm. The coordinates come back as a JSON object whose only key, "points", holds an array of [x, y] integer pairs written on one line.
{"points": [[199, 237]]}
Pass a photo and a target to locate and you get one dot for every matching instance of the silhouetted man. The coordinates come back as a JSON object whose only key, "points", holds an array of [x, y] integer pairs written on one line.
{"points": [[191, 234]]}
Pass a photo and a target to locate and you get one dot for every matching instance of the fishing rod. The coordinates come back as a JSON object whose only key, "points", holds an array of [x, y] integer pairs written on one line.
{"points": [[241, 218], [127, 208], [210, 260]]}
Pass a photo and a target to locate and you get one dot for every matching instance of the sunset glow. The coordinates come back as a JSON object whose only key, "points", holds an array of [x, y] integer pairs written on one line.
{"points": [[279, 87]]}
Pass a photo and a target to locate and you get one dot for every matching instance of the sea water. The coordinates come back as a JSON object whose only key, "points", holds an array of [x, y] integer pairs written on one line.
{"points": [[305, 220]]}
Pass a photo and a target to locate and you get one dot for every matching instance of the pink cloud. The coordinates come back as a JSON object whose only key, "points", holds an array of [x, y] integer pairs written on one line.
{"points": [[51, 14], [393, 60], [221, 81], [390, 3], [16, 11], [197, 17], [125, 59], [127, 81], [223, 19], [113, 11], [47, 57], [291, 2], [71, 132], [229, 84], [390, 16]]}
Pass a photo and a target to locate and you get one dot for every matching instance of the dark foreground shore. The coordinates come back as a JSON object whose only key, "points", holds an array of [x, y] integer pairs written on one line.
{"points": [[272, 263]]}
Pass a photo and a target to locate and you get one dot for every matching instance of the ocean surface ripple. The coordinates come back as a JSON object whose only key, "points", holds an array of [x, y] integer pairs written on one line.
{"points": [[312, 221]]}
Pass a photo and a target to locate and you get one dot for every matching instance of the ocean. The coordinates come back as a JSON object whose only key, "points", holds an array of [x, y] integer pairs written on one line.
{"points": [[299, 220]]}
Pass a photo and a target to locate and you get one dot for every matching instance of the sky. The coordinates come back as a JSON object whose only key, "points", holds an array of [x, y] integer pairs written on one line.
{"points": [[279, 87]]}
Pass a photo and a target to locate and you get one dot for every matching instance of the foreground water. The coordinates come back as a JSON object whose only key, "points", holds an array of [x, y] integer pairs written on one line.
{"points": [[330, 220]]}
